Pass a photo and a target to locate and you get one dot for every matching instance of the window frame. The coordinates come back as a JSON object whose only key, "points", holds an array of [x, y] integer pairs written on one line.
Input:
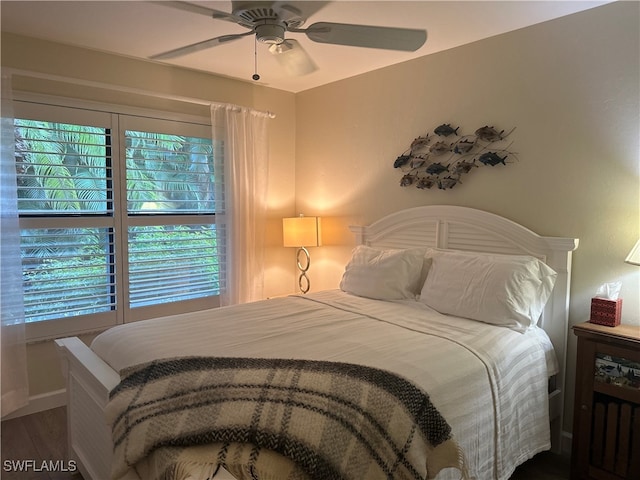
{"points": [[117, 118]]}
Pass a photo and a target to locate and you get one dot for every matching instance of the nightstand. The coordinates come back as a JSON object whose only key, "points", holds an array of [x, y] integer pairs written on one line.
{"points": [[606, 412]]}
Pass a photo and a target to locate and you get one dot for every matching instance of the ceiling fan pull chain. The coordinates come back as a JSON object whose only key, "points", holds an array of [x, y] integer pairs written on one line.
{"points": [[255, 76]]}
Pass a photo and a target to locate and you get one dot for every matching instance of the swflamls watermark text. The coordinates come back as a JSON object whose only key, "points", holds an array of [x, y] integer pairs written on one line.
{"points": [[39, 466]]}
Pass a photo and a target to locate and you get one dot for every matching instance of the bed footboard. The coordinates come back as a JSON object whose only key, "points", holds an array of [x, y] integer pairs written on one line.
{"points": [[89, 381]]}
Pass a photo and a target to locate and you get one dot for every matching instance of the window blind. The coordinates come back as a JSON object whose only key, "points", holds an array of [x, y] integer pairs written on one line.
{"points": [[67, 272], [172, 263]]}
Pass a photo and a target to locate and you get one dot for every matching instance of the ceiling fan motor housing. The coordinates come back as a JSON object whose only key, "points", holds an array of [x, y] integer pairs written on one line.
{"points": [[270, 33], [270, 23]]}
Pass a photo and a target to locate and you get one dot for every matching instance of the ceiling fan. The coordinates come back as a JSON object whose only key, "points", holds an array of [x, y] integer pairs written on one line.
{"points": [[270, 20]]}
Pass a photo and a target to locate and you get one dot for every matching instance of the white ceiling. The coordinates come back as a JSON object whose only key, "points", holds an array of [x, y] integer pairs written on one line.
{"points": [[142, 29]]}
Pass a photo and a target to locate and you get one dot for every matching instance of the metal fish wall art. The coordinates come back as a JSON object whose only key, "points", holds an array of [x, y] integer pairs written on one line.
{"points": [[487, 146]]}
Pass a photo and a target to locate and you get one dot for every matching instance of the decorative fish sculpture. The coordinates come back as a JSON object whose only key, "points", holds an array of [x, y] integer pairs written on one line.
{"points": [[463, 167], [448, 182], [407, 180], [445, 130], [420, 142], [463, 146], [417, 162], [436, 168], [401, 160], [491, 158], [489, 134], [466, 153], [439, 148], [425, 182]]}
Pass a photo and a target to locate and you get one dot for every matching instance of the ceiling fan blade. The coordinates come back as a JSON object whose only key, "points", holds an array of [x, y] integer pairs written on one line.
{"points": [[285, 9], [306, 8], [196, 47], [200, 10], [293, 58], [389, 38]]}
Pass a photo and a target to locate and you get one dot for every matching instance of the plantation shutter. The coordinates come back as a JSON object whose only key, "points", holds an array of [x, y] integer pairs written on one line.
{"points": [[171, 233], [65, 201], [67, 272]]}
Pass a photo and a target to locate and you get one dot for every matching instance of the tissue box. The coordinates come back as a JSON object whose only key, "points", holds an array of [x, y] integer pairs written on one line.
{"points": [[606, 312]]}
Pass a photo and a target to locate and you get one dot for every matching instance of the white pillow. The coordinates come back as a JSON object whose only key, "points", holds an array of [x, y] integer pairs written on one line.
{"points": [[508, 290], [383, 274]]}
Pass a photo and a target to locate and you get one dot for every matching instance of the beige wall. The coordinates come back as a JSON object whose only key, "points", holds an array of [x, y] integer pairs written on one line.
{"points": [[57, 60], [570, 86]]}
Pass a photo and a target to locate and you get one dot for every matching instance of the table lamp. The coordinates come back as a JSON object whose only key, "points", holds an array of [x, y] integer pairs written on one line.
{"points": [[634, 255], [301, 232]]}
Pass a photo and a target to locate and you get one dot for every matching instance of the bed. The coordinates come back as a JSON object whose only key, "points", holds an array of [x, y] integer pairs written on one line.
{"points": [[500, 387]]}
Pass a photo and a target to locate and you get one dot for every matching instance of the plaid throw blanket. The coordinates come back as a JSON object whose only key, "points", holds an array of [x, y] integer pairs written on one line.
{"points": [[331, 420]]}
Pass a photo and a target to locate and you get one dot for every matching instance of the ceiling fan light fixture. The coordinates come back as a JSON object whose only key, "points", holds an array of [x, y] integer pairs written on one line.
{"points": [[292, 57], [270, 33]]}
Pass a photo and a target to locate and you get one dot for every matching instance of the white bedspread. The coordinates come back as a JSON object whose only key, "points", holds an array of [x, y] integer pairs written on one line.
{"points": [[490, 383]]}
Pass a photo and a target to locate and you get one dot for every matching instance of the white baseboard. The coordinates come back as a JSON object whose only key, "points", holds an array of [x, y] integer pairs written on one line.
{"points": [[40, 403]]}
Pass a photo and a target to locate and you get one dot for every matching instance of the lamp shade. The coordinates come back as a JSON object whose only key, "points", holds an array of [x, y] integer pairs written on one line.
{"points": [[634, 256], [301, 231]]}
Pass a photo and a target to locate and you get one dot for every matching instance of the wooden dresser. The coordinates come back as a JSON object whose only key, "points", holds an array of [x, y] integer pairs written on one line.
{"points": [[606, 418]]}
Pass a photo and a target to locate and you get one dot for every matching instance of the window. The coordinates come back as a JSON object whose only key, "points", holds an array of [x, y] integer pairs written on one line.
{"points": [[117, 216], [170, 204]]}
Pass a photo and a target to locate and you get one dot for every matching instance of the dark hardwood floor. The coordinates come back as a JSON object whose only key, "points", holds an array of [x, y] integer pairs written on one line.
{"points": [[42, 438], [544, 466]]}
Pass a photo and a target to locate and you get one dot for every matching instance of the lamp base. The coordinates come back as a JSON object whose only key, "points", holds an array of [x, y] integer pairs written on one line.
{"points": [[303, 280]]}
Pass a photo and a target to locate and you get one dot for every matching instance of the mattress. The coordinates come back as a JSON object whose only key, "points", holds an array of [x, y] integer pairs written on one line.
{"points": [[489, 382]]}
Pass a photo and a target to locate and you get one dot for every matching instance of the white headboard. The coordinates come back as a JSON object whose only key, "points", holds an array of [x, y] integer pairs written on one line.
{"points": [[462, 228]]}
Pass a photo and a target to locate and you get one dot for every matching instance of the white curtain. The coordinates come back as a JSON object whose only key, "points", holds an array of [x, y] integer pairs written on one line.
{"points": [[15, 387], [242, 163]]}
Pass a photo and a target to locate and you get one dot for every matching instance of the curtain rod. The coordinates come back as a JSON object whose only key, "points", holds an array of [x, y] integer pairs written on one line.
{"points": [[117, 88], [237, 108]]}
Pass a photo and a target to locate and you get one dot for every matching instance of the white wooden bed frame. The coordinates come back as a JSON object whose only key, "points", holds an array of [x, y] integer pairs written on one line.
{"points": [[89, 379]]}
